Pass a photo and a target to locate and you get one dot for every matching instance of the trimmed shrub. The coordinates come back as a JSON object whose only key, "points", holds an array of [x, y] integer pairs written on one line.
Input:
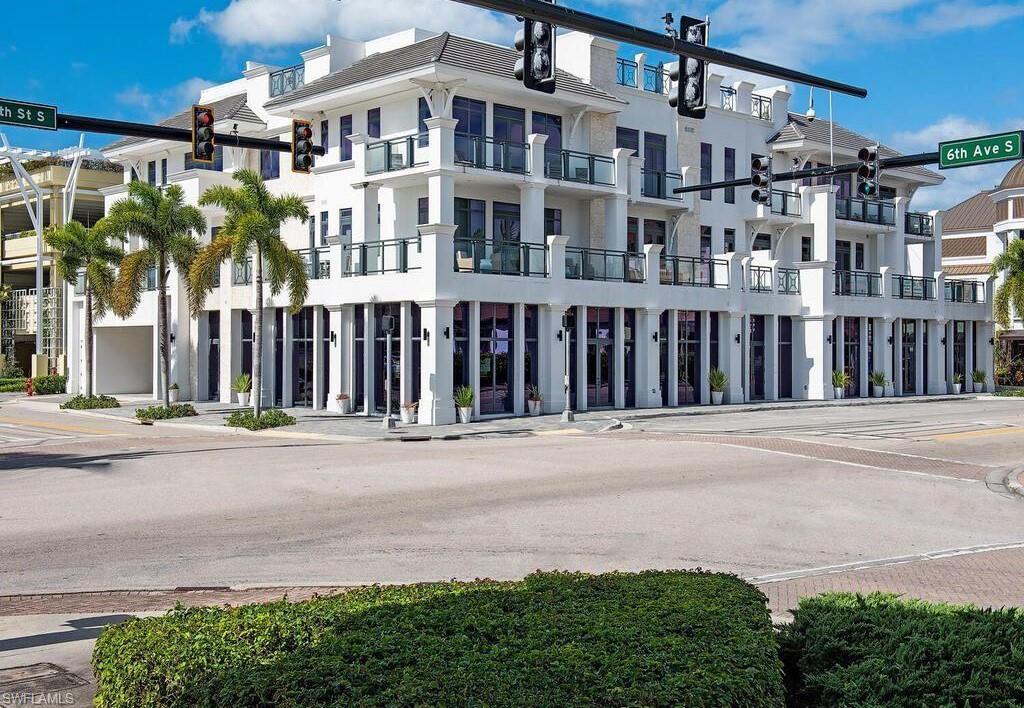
{"points": [[1011, 392], [270, 418], [553, 639], [161, 412], [844, 649], [12, 385], [84, 403], [48, 385]]}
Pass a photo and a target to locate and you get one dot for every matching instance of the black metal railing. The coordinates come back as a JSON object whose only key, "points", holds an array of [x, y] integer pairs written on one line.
{"points": [[868, 211], [788, 280], [602, 264], [761, 107], [241, 272], [583, 167], [317, 261], [967, 291], [486, 153], [857, 283], [151, 280], [910, 287], [396, 154], [785, 203], [917, 224], [656, 79], [653, 79], [728, 98], [759, 279], [287, 80], [694, 272], [80, 283], [659, 185], [625, 72], [501, 257], [377, 257]]}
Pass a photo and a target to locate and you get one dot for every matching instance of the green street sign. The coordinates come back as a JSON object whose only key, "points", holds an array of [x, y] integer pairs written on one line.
{"points": [[28, 115], [981, 150]]}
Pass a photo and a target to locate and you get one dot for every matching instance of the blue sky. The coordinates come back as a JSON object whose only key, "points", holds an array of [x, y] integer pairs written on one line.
{"points": [[935, 69]]}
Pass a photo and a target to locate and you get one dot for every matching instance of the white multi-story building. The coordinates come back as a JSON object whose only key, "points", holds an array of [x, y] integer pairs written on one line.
{"points": [[483, 217]]}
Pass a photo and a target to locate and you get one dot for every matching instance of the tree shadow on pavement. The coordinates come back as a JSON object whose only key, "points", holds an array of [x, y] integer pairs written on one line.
{"points": [[82, 628]]}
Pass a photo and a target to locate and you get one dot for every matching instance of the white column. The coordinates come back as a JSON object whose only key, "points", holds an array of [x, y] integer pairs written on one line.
{"points": [[704, 366], [969, 347], [581, 357], [318, 357], [615, 209], [369, 370], [436, 404], [287, 371], [518, 354], [864, 366], [648, 358], [839, 328], [269, 344], [897, 357], [405, 335], [337, 344], [730, 357], [936, 383], [532, 212], [441, 143], [441, 198], [919, 357], [619, 361], [672, 373], [817, 356], [771, 357], [551, 350], [536, 142], [474, 354]]}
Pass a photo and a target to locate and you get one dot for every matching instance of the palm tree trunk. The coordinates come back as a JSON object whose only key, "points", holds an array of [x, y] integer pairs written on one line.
{"points": [[88, 340], [257, 336], [164, 334]]}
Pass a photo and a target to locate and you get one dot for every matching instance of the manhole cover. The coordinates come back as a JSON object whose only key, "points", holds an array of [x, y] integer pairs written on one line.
{"points": [[38, 678]]}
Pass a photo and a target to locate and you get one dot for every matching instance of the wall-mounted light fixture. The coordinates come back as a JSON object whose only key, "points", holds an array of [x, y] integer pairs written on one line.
{"points": [[992, 341], [559, 335], [172, 337], [890, 339], [943, 341], [738, 339], [829, 339], [426, 335], [334, 337], [655, 336], [447, 333]]}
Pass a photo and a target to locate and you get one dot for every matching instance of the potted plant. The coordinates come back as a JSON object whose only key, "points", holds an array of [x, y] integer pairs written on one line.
{"points": [[890, 388], [978, 377], [534, 400], [172, 393], [409, 413], [958, 380], [840, 379], [343, 403], [464, 402], [717, 380], [877, 384], [242, 386]]}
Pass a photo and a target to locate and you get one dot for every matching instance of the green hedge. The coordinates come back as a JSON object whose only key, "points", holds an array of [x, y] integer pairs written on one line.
{"points": [[47, 385], [553, 639], [12, 385], [270, 418], [161, 412], [85, 403], [879, 650]]}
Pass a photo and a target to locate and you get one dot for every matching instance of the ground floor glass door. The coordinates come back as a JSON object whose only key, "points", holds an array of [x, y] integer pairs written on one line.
{"points": [[757, 358], [496, 344], [909, 357], [688, 363], [600, 356], [785, 357], [213, 357], [851, 355], [302, 358]]}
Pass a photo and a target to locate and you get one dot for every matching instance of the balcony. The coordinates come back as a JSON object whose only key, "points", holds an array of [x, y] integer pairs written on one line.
{"points": [[909, 287], [785, 203], [761, 107], [378, 257], [601, 264], [241, 272], [660, 185], [867, 211], [396, 154], [694, 272], [965, 291], [287, 80], [917, 224], [317, 261], [788, 281], [857, 283], [580, 167], [501, 257], [653, 79], [728, 98], [759, 279], [486, 153]]}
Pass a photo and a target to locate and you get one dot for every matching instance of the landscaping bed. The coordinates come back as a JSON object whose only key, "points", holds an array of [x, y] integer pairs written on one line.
{"points": [[86, 403], [162, 412], [553, 639], [271, 418], [12, 384]]}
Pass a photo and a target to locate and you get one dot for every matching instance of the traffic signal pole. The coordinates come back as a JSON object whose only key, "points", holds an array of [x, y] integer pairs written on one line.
{"points": [[566, 17]]}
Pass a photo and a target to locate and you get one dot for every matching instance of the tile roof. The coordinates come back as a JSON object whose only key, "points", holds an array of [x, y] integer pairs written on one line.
{"points": [[969, 247], [800, 128], [1014, 178], [972, 269], [232, 107], [971, 215], [445, 48]]}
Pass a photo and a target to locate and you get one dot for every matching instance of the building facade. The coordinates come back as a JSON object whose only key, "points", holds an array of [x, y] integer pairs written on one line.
{"points": [[513, 237]]}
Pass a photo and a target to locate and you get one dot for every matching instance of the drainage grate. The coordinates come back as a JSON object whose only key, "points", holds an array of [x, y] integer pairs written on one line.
{"points": [[38, 678]]}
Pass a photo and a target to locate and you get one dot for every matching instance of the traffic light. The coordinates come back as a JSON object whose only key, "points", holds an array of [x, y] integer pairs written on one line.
{"points": [[302, 146], [761, 179], [868, 172], [203, 144], [536, 67], [688, 94]]}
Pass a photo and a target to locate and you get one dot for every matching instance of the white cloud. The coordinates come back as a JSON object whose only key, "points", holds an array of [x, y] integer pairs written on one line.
{"points": [[270, 23], [156, 105], [954, 16]]}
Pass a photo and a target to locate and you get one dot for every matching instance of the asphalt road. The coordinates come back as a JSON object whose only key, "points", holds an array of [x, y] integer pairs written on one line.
{"points": [[110, 505]]}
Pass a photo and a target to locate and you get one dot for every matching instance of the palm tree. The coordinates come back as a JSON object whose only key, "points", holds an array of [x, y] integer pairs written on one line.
{"points": [[88, 250], [166, 224], [252, 228], [1010, 295]]}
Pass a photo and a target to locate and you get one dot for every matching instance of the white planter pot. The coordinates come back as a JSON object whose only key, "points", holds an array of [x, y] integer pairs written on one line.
{"points": [[979, 387], [837, 392], [408, 416], [878, 391], [716, 397], [465, 415], [889, 390], [956, 388], [534, 407], [243, 399], [173, 394]]}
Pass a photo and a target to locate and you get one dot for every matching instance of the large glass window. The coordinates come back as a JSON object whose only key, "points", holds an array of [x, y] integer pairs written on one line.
{"points": [[705, 170], [730, 240], [729, 164], [785, 357], [151, 172], [460, 345], [472, 122], [216, 166], [213, 356], [628, 138], [324, 134], [654, 231], [345, 223], [531, 329], [633, 234], [470, 222], [380, 354], [496, 345], [373, 122], [505, 222], [345, 128], [600, 356], [909, 334], [851, 354], [655, 159], [688, 363], [510, 127], [424, 114], [629, 347], [270, 164], [552, 222], [423, 210], [359, 390], [551, 126], [302, 358], [324, 227], [757, 358]]}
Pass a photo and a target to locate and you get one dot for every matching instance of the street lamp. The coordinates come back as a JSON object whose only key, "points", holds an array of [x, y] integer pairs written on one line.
{"points": [[387, 323]]}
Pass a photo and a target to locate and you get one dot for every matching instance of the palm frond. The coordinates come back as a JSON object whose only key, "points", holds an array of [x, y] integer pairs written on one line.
{"points": [[291, 271], [100, 277], [130, 281], [202, 273]]}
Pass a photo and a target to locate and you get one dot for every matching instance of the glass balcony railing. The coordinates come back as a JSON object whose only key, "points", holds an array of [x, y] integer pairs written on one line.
{"points": [[396, 154], [858, 283], [489, 154], [788, 281], [582, 167], [759, 279], [868, 211], [601, 264], [694, 272], [501, 257], [660, 185], [966, 291], [377, 257], [917, 224], [785, 203], [909, 287], [318, 262]]}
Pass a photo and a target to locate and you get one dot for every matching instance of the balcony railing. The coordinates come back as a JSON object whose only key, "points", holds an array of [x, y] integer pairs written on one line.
{"points": [[377, 257], [241, 272], [858, 283], [653, 79], [694, 272], [625, 72], [868, 211], [80, 283], [601, 264], [967, 291], [728, 98], [318, 262], [909, 287], [785, 203], [659, 185], [917, 224], [486, 153], [501, 257], [656, 79], [583, 167], [788, 281], [396, 154], [760, 279], [761, 107], [151, 281], [287, 80]]}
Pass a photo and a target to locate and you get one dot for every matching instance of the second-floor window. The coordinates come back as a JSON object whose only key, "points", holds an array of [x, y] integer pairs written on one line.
{"points": [[345, 128], [807, 249], [324, 223], [163, 171], [633, 234], [324, 134], [270, 164], [729, 165], [628, 138], [469, 218], [552, 222], [730, 240], [424, 111], [551, 126], [345, 223], [151, 172], [373, 122], [654, 231], [705, 242], [506, 223], [705, 170], [423, 210], [655, 152]]}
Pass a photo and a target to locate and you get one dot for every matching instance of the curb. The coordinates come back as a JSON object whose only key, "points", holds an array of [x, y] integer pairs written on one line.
{"points": [[1011, 482]]}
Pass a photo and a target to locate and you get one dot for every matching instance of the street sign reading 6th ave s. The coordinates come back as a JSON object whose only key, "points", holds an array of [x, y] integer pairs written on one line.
{"points": [[28, 115], [981, 150]]}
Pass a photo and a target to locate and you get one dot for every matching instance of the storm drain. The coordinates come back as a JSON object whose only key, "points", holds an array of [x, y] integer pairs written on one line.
{"points": [[36, 679]]}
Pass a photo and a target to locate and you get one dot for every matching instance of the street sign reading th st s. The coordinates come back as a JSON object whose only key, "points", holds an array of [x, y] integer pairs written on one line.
{"points": [[28, 115], [981, 150]]}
